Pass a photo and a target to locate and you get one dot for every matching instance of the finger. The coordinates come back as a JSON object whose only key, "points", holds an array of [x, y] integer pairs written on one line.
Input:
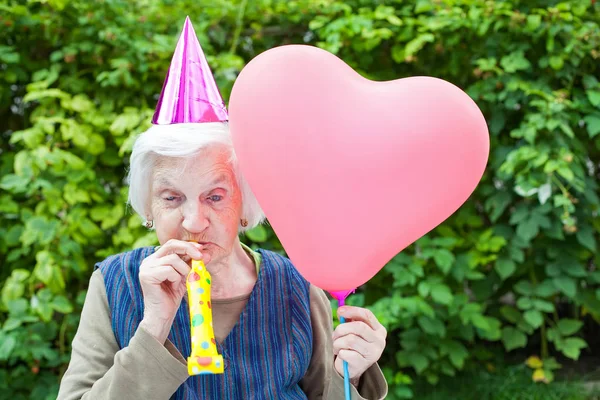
{"points": [[161, 274], [354, 359], [356, 364], [357, 328], [352, 342], [360, 314], [180, 247], [176, 262]]}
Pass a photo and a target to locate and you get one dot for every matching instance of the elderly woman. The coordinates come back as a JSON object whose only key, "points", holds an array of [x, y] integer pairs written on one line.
{"points": [[273, 328]]}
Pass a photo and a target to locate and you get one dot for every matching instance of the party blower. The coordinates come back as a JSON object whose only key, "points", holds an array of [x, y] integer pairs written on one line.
{"points": [[351, 171], [204, 358]]}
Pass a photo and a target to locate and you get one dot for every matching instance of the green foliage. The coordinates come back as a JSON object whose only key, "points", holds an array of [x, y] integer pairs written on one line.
{"points": [[487, 382], [516, 265]]}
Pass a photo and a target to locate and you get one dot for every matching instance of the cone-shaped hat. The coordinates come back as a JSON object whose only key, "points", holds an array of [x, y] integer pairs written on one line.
{"points": [[190, 93]]}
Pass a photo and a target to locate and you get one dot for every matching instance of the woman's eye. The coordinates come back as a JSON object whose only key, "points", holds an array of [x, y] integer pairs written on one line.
{"points": [[215, 198], [170, 198]]}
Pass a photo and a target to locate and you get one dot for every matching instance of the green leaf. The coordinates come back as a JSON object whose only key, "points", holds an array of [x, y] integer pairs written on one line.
{"points": [[594, 97], [11, 324], [81, 103], [48, 272], [14, 183], [125, 123], [481, 322], [73, 194], [423, 289], [524, 303], [417, 44], [524, 287], [7, 345], [534, 318], [505, 267], [511, 314], [554, 335], [543, 305], [257, 234], [8, 55], [8, 206], [556, 62], [498, 203], [568, 327], [41, 304], [566, 173], [551, 364], [402, 392], [17, 308], [546, 289], [533, 22], [43, 94], [514, 62], [492, 332], [590, 82], [318, 22], [513, 338], [571, 347], [444, 259], [432, 326], [519, 215], [441, 293], [419, 362], [14, 286], [423, 6], [554, 269], [62, 305], [96, 144], [592, 123], [585, 236], [566, 285], [89, 229], [528, 229], [58, 5], [39, 230], [43, 270], [516, 254], [456, 352], [13, 235]]}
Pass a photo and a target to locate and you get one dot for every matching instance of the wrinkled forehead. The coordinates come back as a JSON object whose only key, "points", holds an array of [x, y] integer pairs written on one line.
{"points": [[205, 168]]}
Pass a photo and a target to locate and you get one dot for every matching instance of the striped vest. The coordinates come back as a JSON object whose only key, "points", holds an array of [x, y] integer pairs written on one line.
{"points": [[266, 353]]}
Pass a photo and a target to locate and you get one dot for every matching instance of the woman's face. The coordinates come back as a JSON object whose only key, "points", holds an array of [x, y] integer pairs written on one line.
{"points": [[197, 199]]}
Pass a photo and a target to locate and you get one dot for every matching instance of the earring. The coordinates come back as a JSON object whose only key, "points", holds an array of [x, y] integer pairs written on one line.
{"points": [[149, 224], [244, 222]]}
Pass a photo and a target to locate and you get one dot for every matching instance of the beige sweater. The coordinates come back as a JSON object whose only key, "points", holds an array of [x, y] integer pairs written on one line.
{"points": [[149, 370]]}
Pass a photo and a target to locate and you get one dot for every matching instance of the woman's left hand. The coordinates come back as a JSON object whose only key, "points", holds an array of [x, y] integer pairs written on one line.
{"points": [[359, 341]]}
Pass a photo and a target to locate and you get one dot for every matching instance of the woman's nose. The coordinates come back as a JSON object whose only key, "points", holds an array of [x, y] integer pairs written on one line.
{"points": [[195, 217]]}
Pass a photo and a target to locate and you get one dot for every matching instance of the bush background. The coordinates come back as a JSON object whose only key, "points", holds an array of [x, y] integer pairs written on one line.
{"points": [[515, 269]]}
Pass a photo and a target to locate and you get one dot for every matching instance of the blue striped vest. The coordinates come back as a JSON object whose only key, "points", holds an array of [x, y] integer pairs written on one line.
{"points": [[266, 353]]}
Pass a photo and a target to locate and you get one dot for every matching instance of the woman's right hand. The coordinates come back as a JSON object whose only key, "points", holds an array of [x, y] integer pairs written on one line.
{"points": [[163, 279]]}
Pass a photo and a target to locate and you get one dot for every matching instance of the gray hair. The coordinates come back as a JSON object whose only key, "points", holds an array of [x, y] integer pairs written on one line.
{"points": [[183, 140]]}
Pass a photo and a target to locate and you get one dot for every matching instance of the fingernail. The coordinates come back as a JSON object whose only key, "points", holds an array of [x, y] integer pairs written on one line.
{"points": [[342, 311]]}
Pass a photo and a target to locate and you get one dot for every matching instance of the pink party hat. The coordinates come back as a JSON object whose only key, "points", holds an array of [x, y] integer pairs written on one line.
{"points": [[190, 93]]}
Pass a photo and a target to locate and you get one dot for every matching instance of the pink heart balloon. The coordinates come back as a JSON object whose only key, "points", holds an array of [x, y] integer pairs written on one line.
{"points": [[349, 171]]}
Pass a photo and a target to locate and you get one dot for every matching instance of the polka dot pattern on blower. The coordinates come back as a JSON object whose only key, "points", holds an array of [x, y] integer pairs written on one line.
{"points": [[197, 320]]}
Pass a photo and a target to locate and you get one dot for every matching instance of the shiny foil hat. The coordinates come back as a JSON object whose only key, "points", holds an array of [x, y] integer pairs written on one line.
{"points": [[190, 93]]}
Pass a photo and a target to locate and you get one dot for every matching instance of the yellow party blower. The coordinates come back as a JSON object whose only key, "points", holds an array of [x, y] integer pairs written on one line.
{"points": [[204, 358]]}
